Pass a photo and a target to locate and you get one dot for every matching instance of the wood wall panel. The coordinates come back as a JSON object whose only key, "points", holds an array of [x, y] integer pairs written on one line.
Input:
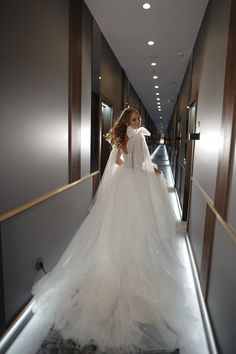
{"points": [[86, 92], [226, 155], [111, 82], [75, 77], [2, 305], [33, 99], [133, 98]]}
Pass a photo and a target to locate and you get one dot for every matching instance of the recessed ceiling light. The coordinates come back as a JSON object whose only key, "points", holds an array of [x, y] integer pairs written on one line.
{"points": [[150, 43], [158, 99], [159, 109], [146, 6], [100, 77], [153, 64], [156, 86], [155, 77], [157, 93], [160, 117]]}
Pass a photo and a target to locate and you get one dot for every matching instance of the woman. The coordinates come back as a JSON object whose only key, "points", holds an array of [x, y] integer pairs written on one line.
{"points": [[117, 283]]}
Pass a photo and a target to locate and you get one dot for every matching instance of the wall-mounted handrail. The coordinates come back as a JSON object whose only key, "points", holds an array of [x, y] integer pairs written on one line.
{"points": [[229, 230], [44, 197], [181, 164]]}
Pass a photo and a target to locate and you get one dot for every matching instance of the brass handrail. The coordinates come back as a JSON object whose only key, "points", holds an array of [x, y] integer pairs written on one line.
{"points": [[181, 164], [44, 197], [229, 230]]}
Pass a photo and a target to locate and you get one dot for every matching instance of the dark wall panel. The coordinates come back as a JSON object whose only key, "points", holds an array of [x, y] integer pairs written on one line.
{"points": [[33, 100], [142, 112], [96, 57], [222, 290], [133, 98], [86, 94], [42, 231], [210, 93], [232, 199], [111, 81], [197, 224]]}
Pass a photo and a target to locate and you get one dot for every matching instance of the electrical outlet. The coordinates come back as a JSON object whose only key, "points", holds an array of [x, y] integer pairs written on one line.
{"points": [[39, 263]]}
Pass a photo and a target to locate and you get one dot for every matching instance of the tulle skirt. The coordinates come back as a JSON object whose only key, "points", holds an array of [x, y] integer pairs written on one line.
{"points": [[120, 281]]}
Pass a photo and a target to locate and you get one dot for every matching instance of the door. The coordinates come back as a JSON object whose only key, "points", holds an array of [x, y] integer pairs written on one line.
{"points": [[189, 151], [95, 133], [107, 113]]}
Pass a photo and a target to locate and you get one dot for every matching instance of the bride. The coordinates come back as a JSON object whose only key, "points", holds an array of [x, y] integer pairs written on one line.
{"points": [[118, 284]]}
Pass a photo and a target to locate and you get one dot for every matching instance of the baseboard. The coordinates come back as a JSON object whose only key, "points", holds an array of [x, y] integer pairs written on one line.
{"points": [[205, 318]]}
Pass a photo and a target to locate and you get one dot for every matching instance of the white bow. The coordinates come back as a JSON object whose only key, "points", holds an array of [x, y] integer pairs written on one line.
{"points": [[132, 132]]}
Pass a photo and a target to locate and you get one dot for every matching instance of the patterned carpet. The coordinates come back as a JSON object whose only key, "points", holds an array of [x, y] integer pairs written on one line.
{"points": [[55, 344]]}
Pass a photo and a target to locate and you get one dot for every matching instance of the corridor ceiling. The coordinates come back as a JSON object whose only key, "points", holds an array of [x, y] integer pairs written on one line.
{"points": [[172, 25]]}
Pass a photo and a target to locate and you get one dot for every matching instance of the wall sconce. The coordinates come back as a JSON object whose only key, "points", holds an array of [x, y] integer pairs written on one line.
{"points": [[194, 136]]}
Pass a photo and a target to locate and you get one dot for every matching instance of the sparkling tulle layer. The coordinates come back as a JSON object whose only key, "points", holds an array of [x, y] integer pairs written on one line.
{"points": [[119, 282]]}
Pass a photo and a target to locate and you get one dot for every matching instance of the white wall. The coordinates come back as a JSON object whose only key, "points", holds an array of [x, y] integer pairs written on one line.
{"points": [[33, 99], [210, 94]]}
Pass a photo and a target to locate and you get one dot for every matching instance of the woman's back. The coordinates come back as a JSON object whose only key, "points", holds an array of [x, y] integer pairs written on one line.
{"points": [[135, 152]]}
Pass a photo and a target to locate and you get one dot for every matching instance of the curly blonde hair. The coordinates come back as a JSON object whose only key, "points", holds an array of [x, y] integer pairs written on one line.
{"points": [[116, 135]]}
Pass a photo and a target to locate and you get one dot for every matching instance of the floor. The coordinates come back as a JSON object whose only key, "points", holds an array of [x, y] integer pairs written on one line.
{"points": [[28, 342]]}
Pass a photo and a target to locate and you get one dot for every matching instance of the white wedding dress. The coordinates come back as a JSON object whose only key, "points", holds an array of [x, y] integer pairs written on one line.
{"points": [[119, 282]]}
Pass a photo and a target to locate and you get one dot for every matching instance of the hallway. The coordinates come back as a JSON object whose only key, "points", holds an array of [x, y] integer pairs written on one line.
{"points": [[160, 157], [28, 341], [68, 69]]}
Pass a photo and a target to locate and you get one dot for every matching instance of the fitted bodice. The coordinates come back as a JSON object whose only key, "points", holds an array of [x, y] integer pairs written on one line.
{"points": [[127, 160]]}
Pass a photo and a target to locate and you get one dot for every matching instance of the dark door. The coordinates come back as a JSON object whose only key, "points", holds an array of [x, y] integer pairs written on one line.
{"points": [[189, 151], [106, 126], [95, 132]]}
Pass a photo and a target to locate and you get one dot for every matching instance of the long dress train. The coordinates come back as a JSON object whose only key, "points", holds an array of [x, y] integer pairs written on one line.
{"points": [[119, 282]]}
